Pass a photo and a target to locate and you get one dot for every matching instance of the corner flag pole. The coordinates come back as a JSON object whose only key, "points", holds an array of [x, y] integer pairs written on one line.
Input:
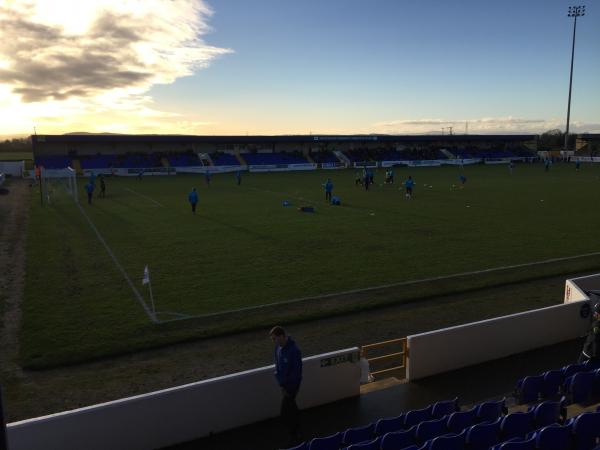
{"points": [[146, 280]]}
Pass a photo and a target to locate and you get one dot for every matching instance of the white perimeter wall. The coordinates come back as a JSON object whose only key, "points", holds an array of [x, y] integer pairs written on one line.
{"points": [[452, 348], [14, 168], [188, 412]]}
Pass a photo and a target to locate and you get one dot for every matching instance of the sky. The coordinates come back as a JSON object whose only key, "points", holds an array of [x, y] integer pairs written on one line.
{"points": [[235, 67]]}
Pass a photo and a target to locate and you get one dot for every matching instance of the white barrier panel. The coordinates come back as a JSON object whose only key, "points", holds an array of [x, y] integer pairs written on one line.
{"points": [[280, 167], [425, 163], [496, 160], [575, 287], [367, 164], [211, 169], [14, 168], [593, 159], [188, 412], [393, 163], [461, 162], [465, 345]]}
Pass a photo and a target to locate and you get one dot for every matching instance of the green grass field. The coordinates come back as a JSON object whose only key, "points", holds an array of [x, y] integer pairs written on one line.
{"points": [[244, 248], [16, 156]]}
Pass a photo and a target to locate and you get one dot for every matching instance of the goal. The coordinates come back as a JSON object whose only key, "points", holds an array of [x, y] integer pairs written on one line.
{"points": [[58, 184]]}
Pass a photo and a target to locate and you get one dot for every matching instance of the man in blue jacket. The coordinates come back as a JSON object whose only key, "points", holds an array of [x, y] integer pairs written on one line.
{"points": [[288, 372], [193, 199], [328, 189]]}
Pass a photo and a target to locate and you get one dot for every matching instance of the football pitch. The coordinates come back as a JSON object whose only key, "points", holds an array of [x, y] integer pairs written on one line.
{"points": [[244, 249]]}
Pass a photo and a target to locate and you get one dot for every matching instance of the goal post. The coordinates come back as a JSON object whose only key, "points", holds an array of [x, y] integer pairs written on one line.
{"points": [[59, 183]]}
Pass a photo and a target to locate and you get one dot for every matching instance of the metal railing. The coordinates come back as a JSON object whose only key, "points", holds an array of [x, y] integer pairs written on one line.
{"points": [[386, 359]]}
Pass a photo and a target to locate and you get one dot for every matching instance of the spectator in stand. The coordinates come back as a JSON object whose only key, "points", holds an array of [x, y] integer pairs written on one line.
{"points": [[328, 189], [591, 347], [288, 372], [89, 188], [193, 199]]}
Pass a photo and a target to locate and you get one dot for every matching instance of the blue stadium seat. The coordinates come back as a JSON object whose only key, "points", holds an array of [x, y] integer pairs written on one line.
{"points": [[460, 420], [449, 442], [483, 435], [554, 437], [489, 411], [530, 389], [578, 387], [596, 384], [444, 408], [572, 369], [389, 424], [547, 413], [358, 434], [553, 380], [516, 424], [591, 365], [431, 429], [332, 442], [416, 416], [366, 445], [398, 440], [586, 430], [518, 444]]}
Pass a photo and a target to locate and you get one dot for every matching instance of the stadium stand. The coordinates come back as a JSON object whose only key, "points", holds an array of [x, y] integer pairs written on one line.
{"points": [[274, 158], [324, 157], [184, 160], [98, 162], [53, 162], [140, 161], [224, 159]]}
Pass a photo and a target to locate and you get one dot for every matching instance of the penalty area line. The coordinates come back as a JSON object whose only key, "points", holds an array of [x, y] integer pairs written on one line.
{"points": [[145, 197], [137, 294]]}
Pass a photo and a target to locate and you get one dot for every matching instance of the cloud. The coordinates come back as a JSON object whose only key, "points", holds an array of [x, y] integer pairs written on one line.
{"points": [[99, 52], [483, 125]]}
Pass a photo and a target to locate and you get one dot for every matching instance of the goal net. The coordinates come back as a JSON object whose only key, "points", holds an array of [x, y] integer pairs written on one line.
{"points": [[59, 185]]}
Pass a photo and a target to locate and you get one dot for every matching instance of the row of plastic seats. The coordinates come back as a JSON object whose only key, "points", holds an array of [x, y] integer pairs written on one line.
{"points": [[550, 383], [583, 387], [416, 425], [580, 433]]}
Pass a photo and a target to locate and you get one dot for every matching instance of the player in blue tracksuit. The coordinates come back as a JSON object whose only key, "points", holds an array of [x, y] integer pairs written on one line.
{"points": [[89, 188], [577, 164], [193, 199], [207, 176], [409, 184], [328, 189], [462, 179], [238, 177], [288, 372]]}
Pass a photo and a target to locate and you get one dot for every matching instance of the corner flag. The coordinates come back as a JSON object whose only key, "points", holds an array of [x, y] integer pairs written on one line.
{"points": [[146, 278]]}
